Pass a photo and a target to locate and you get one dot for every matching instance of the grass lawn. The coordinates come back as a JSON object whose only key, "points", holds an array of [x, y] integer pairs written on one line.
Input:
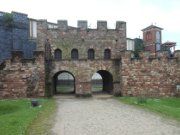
{"points": [[17, 116], [169, 107], [97, 87], [65, 88]]}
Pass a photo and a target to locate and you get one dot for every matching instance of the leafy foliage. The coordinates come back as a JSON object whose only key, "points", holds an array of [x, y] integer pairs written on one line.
{"points": [[8, 20], [139, 46]]}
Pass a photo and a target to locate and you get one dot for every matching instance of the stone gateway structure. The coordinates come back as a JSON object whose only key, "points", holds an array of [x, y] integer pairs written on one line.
{"points": [[34, 52]]}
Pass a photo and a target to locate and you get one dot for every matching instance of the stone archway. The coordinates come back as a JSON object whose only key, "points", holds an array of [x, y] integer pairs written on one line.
{"points": [[64, 83], [107, 81]]}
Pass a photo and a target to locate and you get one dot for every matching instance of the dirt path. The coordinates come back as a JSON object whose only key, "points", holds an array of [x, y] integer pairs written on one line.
{"points": [[96, 116]]}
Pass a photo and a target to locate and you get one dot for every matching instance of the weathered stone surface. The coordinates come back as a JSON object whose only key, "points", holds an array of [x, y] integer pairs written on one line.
{"points": [[151, 75], [22, 79]]}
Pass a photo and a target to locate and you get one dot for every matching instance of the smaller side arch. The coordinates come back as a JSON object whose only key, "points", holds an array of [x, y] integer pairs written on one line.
{"points": [[107, 80]]}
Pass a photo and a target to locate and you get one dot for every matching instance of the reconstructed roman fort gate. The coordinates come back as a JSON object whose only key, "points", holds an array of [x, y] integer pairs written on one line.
{"points": [[34, 52]]}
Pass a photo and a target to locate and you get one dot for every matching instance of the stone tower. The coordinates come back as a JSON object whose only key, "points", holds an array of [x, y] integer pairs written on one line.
{"points": [[152, 38]]}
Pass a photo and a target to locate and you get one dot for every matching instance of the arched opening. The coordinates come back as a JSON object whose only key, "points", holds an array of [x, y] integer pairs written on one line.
{"points": [[107, 54], [103, 83], [64, 83], [96, 83], [74, 54], [91, 54], [57, 54]]}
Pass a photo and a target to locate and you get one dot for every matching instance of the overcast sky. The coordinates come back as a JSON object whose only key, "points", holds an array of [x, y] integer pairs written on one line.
{"points": [[137, 13]]}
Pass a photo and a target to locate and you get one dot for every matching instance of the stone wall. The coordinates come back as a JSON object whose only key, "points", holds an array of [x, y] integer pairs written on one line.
{"points": [[150, 76], [23, 77], [83, 70], [66, 38]]}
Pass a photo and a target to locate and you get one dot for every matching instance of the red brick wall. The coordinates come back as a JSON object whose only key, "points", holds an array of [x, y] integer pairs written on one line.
{"points": [[154, 77], [23, 78]]}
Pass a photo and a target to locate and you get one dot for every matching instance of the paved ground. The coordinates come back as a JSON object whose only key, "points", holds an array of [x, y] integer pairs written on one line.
{"points": [[106, 116]]}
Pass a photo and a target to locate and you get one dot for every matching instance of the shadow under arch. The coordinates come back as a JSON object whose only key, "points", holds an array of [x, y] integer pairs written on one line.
{"points": [[62, 86], [107, 81]]}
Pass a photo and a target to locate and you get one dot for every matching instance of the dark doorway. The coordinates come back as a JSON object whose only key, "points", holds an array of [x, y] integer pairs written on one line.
{"points": [[103, 84], [64, 83]]}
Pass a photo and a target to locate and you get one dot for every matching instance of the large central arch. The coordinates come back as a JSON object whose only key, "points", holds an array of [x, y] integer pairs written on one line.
{"points": [[64, 83], [107, 81]]}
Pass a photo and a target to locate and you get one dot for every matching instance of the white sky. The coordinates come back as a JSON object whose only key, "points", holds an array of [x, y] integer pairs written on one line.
{"points": [[137, 13]]}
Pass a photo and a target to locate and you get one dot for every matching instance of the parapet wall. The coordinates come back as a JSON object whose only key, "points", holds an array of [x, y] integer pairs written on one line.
{"points": [[82, 38], [83, 25], [150, 76], [22, 77]]}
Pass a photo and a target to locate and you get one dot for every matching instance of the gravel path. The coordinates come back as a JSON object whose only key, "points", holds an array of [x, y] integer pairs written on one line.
{"points": [[96, 116]]}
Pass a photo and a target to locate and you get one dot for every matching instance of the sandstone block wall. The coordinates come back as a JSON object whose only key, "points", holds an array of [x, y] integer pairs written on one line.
{"points": [[83, 70], [150, 76], [66, 38], [23, 77]]}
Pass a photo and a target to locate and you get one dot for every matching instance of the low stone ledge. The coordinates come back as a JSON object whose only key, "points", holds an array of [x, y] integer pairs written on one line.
{"points": [[85, 95]]}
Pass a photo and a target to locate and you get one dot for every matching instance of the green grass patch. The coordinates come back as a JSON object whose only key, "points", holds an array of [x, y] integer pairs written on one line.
{"points": [[169, 107], [16, 116], [44, 121]]}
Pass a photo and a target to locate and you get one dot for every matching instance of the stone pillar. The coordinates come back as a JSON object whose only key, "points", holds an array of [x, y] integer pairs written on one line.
{"points": [[39, 59], [177, 54], [63, 24], [117, 89], [126, 57], [102, 25], [83, 89], [121, 25], [82, 24]]}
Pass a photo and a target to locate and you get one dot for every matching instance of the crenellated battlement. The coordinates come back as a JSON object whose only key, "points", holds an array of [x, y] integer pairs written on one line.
{"points": [[22, 77], [19, 20], [83, 25], [147, 56], [17, 57]]}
